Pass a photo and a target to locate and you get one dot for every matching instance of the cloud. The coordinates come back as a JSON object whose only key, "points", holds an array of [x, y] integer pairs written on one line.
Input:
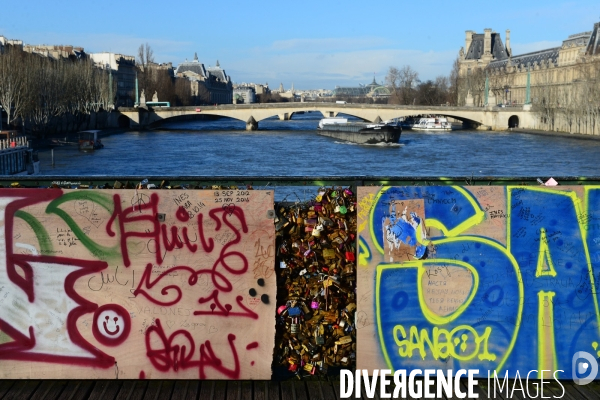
{"points": [[331, 44], [327, 69]]}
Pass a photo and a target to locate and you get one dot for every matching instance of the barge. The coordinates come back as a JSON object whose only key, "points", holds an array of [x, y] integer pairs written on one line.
{"points": [[360, 132]]}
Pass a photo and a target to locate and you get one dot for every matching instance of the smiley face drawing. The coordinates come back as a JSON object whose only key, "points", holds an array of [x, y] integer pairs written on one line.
{"points": [[111, 325]]}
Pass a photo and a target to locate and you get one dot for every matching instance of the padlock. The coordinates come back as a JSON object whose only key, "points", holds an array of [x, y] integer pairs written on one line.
{"points": [[350, 256], [317, 230], [294, 311], [341, 208]]}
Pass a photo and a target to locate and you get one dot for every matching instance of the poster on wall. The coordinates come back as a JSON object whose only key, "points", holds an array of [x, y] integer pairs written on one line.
{"points": [[491, 278], [134, 284]]}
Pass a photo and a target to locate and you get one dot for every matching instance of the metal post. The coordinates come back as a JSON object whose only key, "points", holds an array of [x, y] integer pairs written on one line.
{"points": [[487, 88], [52, 152], [110, 85], [528, 88], [137, 96], [1, 118]]}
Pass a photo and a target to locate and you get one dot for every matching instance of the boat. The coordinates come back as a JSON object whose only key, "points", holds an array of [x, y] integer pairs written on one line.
{"points": [[88, 141], [432, 124], [409, 122], [360, 132]]}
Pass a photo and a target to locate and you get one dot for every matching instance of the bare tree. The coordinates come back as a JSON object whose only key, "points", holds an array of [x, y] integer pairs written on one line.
{"points": [[12, 81], [402, 82], [454, 82], [545, 97], [145, 55]]}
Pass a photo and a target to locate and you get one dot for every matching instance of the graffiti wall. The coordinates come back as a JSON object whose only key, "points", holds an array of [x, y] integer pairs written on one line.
{"points": [[136, 284], [490, 278]]}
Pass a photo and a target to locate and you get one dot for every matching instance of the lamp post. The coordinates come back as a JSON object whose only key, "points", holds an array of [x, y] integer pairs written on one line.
{"points": [[1, 118]]}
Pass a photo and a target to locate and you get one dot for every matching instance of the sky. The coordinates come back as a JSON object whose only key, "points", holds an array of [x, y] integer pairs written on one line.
{"points": [[310, 44]]}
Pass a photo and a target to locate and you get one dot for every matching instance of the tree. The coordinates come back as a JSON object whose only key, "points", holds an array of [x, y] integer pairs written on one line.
{"points": [[402, 81], [12, 81], [454, 82], [145, 56], [145, 74]]}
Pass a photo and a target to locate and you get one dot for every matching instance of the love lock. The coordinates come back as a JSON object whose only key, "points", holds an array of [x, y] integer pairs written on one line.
{"points": [[341, 208], [317, 230]]}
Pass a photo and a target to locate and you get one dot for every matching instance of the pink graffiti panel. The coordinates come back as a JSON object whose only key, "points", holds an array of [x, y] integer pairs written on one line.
{"points": [[128, 284]]}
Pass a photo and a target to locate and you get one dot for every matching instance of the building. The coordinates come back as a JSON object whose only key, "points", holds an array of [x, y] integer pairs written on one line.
{"points": [[485, 56], [9, 42], [244, 94], [373, 89], [209, 85], [56, 52], [168, 66], [123, 70]]}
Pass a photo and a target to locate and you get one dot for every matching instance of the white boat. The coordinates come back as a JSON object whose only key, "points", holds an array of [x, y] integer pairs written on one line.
{"points": [[433, 124]]}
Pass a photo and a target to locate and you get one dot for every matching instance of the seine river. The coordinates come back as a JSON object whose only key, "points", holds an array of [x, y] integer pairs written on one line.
{"points": [[293, 148]]}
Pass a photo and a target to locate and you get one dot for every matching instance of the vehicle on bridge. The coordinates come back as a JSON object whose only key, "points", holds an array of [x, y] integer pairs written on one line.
{"points": [[360, 132]]}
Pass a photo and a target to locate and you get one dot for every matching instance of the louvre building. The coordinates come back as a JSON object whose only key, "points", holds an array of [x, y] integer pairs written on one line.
{"points": [[559, 77]]}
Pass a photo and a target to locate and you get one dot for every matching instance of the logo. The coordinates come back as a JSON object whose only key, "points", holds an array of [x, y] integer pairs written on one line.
{"points": [[584, 367]]}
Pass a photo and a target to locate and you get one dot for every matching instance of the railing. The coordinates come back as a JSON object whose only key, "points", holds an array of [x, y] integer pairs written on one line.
{"points": [[273, 182], [13, 142]]}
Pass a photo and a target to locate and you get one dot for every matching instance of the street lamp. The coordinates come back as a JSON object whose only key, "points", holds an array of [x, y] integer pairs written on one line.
{"points": [[506, 91]]}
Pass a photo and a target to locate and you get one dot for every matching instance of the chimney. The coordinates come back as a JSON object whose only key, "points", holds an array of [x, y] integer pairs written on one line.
{"points": [[468, 40], [487, 41], [508, 50]]}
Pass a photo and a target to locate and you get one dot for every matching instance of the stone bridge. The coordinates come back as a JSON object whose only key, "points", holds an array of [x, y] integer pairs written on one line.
{"points": [[488, 118]]}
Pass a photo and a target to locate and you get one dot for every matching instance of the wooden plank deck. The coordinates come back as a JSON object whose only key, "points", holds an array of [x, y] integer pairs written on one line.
{"points": [[313, 389]]}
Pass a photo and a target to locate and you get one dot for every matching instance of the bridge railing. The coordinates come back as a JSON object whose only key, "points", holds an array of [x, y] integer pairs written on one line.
{"points": [[276, 183]]}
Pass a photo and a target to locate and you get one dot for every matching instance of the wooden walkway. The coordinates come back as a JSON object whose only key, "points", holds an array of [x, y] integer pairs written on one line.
{"points": [[323, 389]]}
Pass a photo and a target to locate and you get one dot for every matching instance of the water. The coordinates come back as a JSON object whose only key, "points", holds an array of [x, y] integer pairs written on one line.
{"points": [[292, 148]]}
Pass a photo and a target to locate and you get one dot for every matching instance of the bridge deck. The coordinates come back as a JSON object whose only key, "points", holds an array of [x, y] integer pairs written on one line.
{"points": [[324, 389]]}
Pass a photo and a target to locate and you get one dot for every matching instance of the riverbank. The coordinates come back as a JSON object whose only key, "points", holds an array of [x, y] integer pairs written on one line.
{"points": [[555, 134], [51, 141]]}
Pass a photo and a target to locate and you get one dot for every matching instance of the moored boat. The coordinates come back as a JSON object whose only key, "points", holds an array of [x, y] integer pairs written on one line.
{"points": [[360, 132], [88, 141], [432, 124]]}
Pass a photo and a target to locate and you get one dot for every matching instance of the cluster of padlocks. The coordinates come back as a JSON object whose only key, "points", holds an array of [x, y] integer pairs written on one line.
{"points": [[316, 262]]}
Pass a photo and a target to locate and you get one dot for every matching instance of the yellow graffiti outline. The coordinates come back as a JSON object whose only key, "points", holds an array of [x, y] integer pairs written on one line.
{"points": [[578, 212], [414, 264], [543, 341], [545, 250], [470, 222], [466, 224], [425, 337], [431, 317], [364, 253]]}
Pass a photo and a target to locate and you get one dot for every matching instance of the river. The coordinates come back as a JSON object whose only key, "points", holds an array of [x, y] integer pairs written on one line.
{"points": [[293, 148]]}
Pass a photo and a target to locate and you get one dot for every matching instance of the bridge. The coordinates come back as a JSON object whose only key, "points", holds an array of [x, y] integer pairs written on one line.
{"points": [[488, 118]]}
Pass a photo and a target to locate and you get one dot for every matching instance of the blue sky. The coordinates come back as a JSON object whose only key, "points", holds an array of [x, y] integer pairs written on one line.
{"points": [[312, 44]]}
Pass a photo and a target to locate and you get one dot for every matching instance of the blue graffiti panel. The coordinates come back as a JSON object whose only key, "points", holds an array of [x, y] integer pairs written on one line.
{"points": [[546, 241], [480, 335]]}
